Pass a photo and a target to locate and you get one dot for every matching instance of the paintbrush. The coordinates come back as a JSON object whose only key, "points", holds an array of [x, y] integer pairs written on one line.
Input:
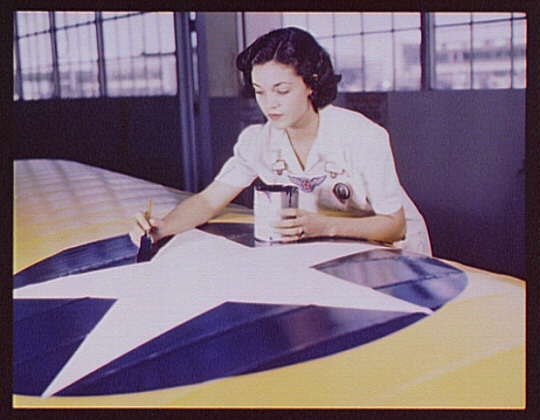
{"points": [[145, 245]]}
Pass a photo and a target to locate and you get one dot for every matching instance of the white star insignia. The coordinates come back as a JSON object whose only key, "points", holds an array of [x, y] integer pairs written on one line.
{"points": [[195, 273]]}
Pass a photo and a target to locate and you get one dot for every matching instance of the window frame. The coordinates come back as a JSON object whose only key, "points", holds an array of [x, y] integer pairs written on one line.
{"points": [[428, 27], [472, 23], [362, 33], [427, 52], [51, 31]]}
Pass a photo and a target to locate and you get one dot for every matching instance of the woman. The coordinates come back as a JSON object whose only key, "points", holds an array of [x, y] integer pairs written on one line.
{"points": [[340, 160]]}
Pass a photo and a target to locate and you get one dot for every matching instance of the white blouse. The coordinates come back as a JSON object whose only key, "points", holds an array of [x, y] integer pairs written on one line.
{"points": [[349, 168]]}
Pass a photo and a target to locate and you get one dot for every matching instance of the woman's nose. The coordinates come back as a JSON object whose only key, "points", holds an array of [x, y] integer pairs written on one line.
{"points": [[273, 101]]}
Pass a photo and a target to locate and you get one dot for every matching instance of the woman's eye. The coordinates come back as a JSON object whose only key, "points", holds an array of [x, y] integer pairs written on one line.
{"points": [[258, 92], [282, 92]]}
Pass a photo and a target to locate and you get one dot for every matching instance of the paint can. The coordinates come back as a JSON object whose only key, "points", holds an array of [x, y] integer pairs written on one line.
{"points": [[268, 202]]}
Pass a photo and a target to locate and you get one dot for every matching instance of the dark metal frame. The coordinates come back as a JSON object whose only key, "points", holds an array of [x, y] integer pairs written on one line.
{"points": [[54, 48], [18, 79], [102, 72], [202, 106], [186, 100], [427, 52]]}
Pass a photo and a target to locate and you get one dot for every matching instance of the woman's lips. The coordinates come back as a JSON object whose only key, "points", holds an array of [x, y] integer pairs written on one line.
{"points": [[275, 117]]}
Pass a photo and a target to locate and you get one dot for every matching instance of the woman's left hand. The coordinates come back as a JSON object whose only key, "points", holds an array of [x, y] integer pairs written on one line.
{"points": [[299, 224]]}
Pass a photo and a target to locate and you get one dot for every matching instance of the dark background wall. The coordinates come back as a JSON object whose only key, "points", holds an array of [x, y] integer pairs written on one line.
{"points": [[459, 154], [137, 136]]}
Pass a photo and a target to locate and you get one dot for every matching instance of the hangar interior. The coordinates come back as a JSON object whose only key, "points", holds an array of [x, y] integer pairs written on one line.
{"points": [[156, 95]]}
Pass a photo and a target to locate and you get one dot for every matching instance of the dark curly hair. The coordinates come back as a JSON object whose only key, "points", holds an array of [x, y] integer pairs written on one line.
{"points": [[297, 48]]}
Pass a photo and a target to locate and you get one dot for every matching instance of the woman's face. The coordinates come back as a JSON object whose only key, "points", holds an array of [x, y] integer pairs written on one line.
{"points": [[282, 95]]}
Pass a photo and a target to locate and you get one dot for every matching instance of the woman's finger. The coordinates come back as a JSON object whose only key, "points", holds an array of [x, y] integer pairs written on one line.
{"points": [[294, 231], [292, 235], [142, 222], [285, 223], [289, 212], [135, 235], [286, 231]]}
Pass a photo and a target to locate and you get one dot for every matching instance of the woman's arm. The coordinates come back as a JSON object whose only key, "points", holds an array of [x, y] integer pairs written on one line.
{"points": [[192, 212], [382, 227]]}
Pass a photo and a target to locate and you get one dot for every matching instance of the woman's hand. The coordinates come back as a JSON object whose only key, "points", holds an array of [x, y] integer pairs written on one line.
{"points": [[142, 226], [299, 224]]}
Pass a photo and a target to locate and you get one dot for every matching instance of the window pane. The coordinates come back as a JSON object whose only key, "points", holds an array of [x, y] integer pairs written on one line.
{"points": [[165, 24], [453, 57], [408, 69], [78, 43], [15, 74], [406, 20], [379, 62], [520, 56], [118, 77], [118, 65], [152, 41], [63, 19], [450, 17], [139, 55], [295, 19], [349, 63], [136, 32], [481, 17], [491, 56], [328, 45], [377, 22], [320, 24], [116, 37], [168, 74], [36, 55], [60, 19], [36, 66], [77, 61], [31, 22], [348, 23], [110, 39]]}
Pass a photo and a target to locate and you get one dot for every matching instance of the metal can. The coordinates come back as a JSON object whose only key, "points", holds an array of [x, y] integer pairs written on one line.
{"points": [[268, 202]]}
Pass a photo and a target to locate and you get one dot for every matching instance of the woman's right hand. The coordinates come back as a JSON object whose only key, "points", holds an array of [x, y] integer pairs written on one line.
{"points": [[142, 226]]}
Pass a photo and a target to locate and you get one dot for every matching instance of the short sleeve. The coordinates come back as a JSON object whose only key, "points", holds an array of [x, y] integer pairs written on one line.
{"points": [[239, 169], [379, 173]]}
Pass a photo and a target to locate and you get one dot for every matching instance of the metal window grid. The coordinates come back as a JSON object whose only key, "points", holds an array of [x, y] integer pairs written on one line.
{"points": [[428, 29], [471, 23], [362, 33], [428, 63], [34, 63]]}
